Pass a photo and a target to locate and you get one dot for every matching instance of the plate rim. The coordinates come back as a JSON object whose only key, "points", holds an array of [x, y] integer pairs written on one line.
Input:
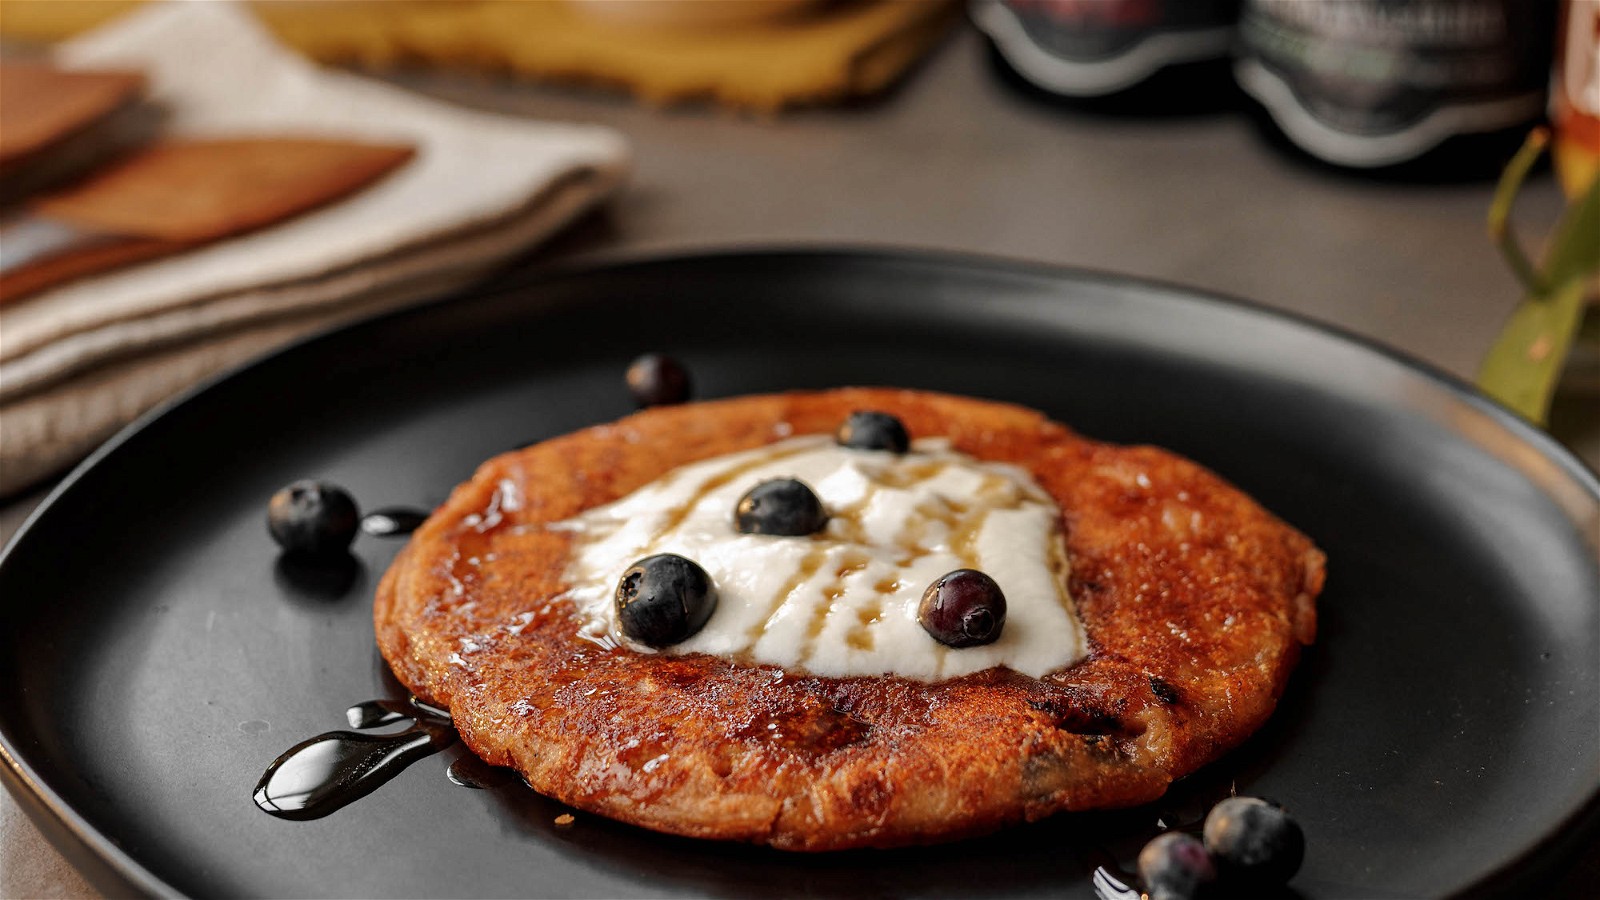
{"points": [[99, 860]]}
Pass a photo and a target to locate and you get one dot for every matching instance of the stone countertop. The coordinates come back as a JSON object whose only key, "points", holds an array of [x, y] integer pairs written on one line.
{"points": [[958, 158]]}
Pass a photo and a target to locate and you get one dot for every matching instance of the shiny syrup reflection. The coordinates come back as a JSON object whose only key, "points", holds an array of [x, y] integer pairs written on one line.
{"points": [[1114, 886], [471, 772], [328, 772], [393, 521]]}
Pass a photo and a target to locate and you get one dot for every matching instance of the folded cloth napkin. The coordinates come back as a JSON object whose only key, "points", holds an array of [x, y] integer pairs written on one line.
{"points": [[820, 52], [80, 360]]}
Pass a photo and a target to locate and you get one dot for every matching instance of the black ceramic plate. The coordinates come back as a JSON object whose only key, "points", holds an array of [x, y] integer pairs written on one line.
{"points": [[1439, 738]]}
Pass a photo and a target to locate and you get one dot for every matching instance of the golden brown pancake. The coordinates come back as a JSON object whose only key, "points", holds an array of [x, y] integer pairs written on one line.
{"points": [[1195, 600]]}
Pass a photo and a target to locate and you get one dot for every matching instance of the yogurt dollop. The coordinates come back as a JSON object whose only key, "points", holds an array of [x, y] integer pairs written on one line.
{"points": [[843, 602]]}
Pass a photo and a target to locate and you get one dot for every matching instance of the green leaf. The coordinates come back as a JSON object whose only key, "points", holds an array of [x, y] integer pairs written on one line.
{"points": [[1575, 252], [1524, 365], [1505, 195]]}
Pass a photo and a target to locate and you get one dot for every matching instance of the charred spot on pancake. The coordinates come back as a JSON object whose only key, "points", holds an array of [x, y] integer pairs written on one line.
{"points": [[1080, 717], [1164, 692]]}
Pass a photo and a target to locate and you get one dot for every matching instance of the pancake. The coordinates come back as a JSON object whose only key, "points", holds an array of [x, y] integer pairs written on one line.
{"points": [[1195, 601]]}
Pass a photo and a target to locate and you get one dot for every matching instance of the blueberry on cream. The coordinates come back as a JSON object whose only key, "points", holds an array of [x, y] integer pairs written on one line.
{"points": [[782, 506], [663, 599], [963, 609]]}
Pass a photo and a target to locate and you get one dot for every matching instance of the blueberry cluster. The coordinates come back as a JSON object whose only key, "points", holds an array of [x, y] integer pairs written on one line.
{"points": [[663, 599], [1249, 846]]}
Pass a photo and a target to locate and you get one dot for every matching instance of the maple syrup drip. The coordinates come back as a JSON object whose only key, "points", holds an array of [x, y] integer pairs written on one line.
{"points": [[393, 521], [325, 773], [377, 713], [471, 772]]}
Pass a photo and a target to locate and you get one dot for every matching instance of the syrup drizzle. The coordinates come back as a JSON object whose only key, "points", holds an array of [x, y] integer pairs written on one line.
{"points": [[393, 521], [377, 713], [328, 772], [471, 772]]}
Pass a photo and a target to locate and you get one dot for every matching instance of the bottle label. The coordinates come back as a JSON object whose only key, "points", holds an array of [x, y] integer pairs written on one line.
{"points": [[1377, 82], [1086, 48]]}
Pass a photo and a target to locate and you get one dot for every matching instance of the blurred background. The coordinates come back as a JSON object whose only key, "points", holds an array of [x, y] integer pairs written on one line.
{"points": [[1355, 162]]}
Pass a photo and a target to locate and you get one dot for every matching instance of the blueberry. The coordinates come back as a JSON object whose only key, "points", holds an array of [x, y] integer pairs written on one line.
{"points": [[1174, 866], [658, 380], [869, 430], [780, 506], [663, 599], [964, 608], [1254, 842], [313, 518]]}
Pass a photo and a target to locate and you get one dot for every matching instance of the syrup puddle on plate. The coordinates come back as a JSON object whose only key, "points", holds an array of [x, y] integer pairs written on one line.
{"points": [[330, 771], [325, 773], [393, 521], [471, 772]]}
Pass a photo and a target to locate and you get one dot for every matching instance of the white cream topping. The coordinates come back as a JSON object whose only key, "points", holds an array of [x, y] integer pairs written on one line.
{"points": [[844, 602]]}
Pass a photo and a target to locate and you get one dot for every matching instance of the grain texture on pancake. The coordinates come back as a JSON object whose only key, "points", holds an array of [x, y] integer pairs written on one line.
{"points": [[1195, 600]]}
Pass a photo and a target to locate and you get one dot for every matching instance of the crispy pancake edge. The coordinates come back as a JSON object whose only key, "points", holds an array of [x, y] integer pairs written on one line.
{"points": [[1195, 599]]}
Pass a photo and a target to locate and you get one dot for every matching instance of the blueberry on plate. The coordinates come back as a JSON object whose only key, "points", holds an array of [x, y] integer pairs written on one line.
{"points": [[656, 379], [964, 608], [313, 518], [870, 430], [1174, 866], [1254, 842], [663, 599], [780, 506]]}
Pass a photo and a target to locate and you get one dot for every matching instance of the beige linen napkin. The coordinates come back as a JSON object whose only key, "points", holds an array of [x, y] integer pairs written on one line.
{"points": [[80, 360]]}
